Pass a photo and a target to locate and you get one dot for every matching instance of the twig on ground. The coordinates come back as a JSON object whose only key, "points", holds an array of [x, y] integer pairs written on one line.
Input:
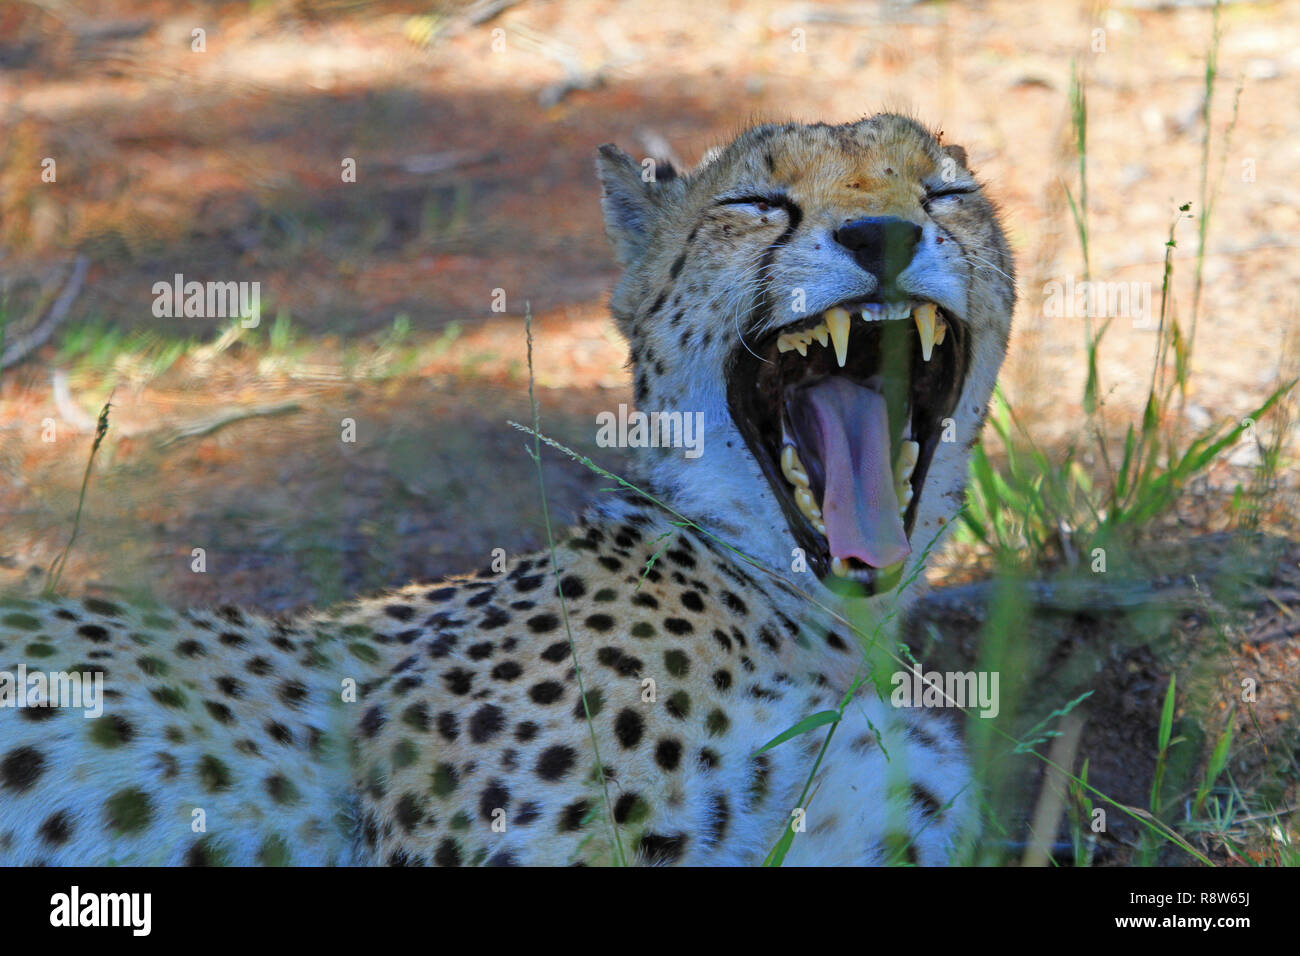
{"points": [[41, 331], [209, 425]]}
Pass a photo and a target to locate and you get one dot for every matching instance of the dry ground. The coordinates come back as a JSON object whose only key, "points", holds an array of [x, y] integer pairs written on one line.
{"points": [[475, 174]]}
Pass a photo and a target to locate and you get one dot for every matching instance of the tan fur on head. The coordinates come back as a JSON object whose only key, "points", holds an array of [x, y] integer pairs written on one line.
{"points": [[706, 274]]}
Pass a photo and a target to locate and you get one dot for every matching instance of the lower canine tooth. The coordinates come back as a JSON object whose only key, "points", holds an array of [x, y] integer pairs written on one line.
{"points": [[839, 567], [908, 451]]}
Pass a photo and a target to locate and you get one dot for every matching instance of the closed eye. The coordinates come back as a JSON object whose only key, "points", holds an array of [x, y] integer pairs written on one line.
{"points": [[759, 203], [956, 189]]}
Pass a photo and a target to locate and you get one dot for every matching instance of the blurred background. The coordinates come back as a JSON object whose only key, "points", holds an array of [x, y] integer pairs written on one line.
{"points": [[403, 179]]}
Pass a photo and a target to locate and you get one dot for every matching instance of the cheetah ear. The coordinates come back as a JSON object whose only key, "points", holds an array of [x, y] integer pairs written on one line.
{"points": [[630, 200], [958, 153]]}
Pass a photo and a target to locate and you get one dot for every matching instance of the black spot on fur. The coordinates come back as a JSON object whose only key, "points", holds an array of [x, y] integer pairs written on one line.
{"points": [[668, 753], [734, 604], [660, 849], [448, 725], [494, 618], [556, 652], [507, 671], [371, 722], [292, 693], [571, 586], [572, 816], [458, 681], [546, 692], [543, 623], [926, 801], [555, 762], [448, 853], [57, 828], [721, 818], [486, 723], [21, 769], [409, 811], [495, 796], [99, 606], [93, 632], [628, 728]]}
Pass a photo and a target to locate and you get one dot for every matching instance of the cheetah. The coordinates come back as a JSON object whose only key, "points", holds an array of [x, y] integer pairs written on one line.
{"points": [[835, 301]]}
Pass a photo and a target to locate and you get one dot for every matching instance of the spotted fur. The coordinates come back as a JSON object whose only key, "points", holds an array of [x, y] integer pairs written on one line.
{"points": [[445, 724]]}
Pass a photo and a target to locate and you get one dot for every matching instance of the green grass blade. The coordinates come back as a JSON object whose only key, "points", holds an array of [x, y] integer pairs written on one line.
{"points": [[819, 719]]}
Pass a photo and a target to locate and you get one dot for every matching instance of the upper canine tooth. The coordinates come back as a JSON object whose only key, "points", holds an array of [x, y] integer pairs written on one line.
{"points": [[924, 316], [837, 322]]}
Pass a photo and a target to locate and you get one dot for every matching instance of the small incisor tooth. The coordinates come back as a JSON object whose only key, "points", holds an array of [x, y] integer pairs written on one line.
{"points": [[838, 321], [819, 334], [924, 316], [904, 493], [803, 497], [783, 344]]}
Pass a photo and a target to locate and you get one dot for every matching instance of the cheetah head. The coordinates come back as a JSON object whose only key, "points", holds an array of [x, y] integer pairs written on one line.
{"points": [[836, 301]]}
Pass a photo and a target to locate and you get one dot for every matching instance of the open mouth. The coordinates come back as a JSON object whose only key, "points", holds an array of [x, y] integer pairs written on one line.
{"points": [[844, 412]]}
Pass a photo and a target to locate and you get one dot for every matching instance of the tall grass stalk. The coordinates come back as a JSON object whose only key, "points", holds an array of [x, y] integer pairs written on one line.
{"points": [[535, 453], [56, 569]]}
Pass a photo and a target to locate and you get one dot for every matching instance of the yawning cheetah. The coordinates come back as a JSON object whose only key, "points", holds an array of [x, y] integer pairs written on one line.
{"points": [[835, 301]]}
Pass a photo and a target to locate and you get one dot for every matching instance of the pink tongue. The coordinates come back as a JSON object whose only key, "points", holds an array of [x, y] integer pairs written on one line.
{"points": [[859, 506]]}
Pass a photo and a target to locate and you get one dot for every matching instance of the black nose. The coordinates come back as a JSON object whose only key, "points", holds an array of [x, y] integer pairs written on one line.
{"points": [[883, 245]]}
